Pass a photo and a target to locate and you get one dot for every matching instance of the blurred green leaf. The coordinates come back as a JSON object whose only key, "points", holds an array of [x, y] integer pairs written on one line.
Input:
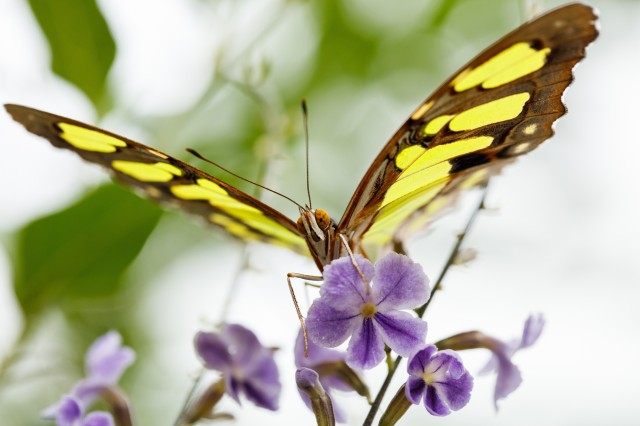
{"points": [[441, 12], [83, 251], [82, 49]]}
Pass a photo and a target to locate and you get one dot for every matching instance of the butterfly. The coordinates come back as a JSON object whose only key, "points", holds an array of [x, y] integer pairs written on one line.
{"points": [[498, 106]]}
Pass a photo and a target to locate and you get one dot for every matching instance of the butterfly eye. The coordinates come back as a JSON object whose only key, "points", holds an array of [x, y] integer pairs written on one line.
{"points": [[322, 219]]}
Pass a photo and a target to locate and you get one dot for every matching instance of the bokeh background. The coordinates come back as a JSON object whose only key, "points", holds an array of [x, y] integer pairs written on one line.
{"points": [[80, 256]]}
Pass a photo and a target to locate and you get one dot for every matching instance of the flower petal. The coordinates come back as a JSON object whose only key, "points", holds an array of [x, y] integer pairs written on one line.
{"points": [[213, 350], [343, 286], [401, 331], [448, 363], [264, 372], [232, 387], [456, 392], [419, 361], [98, 418], [316, 354], [366, 348], [67, 411], [415, 389], [399, 283], [455, 387], [86, 391], [107, 359], [262, 385], [243, 344], [532, 329], [328, 326], [434, 403], [508, 380]]}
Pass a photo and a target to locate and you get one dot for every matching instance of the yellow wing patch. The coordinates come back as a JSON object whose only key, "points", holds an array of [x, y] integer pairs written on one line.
{"points": [[422, 166], [435, 125], [241, 212], [145, 172], [394, 214], [233, 227], [512, 63], [492, 112], [502, 109], [89, 140]]}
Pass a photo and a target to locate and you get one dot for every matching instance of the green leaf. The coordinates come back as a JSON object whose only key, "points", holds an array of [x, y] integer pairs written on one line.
{"points": [[82, 252], [441, 12], [82, 49]]}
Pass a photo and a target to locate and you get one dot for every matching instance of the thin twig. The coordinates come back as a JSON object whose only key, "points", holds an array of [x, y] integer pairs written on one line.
{"points": [[454, 252]]}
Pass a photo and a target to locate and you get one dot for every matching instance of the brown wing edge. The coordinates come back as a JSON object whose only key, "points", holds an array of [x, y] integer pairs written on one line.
{"points": [[376, 176]]}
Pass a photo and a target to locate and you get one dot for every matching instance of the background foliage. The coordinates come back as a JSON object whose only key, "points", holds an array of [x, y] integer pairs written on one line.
{"points": [[226, 78]]}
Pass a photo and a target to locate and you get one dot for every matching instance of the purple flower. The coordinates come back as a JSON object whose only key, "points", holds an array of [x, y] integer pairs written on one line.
{"points": [[105, 362], [372, 315], [317, 359], [439, 379], [508, 375], [246, 365], [69, 412]]}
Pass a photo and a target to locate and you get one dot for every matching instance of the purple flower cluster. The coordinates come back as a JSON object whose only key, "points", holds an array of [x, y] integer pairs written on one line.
{"points": [[367, 303], [360, 302]]}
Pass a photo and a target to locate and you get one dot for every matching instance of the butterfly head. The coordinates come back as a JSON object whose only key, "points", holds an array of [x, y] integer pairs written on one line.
{"points": [[314, 224]]}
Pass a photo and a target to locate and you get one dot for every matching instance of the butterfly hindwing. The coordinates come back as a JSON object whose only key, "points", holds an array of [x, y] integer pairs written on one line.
{"points": [[500, 105], [165, 179]]}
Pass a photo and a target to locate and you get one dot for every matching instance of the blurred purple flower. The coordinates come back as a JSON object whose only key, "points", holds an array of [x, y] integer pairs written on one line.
{"points": [[69, 412], [371, 314], [246, 365], [439, 380], [105, 362], [317, 357], [508, 375]]}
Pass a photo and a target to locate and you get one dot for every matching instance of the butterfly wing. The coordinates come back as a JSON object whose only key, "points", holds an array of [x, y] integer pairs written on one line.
{"points": [[500, 105], [165, 179]]}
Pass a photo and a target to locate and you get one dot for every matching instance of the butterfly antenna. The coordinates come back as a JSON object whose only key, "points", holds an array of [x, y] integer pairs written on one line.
{"points": [[198, 155], [305, 121]]}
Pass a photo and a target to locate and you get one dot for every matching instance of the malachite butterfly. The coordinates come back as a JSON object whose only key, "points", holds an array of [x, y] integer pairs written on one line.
{"points": [[500, 105]]}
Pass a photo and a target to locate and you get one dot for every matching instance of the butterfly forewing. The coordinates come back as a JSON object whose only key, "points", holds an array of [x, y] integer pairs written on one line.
{"points": [[166, 179], [500, 105]]}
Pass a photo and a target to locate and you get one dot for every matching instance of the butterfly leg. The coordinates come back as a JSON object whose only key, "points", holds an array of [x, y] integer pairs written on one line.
{"points": [[290, 276]]}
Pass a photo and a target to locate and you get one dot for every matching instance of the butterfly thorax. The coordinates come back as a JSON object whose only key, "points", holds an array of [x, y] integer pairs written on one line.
{"points": [[320, 232]]}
